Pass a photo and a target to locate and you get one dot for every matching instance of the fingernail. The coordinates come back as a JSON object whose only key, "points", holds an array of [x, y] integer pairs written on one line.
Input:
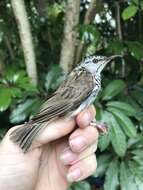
{"points": [[74, 175], [86, 118], [78, 143], [68, 156]]}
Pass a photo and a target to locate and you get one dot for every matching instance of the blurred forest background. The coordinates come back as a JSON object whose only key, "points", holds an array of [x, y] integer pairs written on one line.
{"points": [[42, 40]]}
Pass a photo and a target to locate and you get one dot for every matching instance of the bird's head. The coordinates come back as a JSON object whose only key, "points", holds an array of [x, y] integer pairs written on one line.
{"points": [[96, 63]]}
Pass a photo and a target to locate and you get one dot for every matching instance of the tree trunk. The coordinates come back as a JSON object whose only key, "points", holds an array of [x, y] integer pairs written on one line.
{"points": [[70, 35], [89, 17], [26, 38]]}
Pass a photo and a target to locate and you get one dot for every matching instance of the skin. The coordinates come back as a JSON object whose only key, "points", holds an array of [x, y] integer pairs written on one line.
{"points": [[61, 154]]}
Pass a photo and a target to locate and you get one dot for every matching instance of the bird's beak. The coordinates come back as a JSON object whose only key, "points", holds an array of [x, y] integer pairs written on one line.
{"points": [[108, 59], [113, 57]]}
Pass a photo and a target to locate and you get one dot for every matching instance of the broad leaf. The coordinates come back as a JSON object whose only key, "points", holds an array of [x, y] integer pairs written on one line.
{"points": [[23, 110], [139, 184], [138, 159], [118, 138], [115, 47], [137, 152], [112, 181], [141, 4], [135, 143], [81, 185], [102, 164], [5, 99], [54, 78], [129, 12], [113, 89], [137, 2], [104, 140], [136, 169], [123, 106], [126, 178], [23, 81], [124, 121], [136, 49], [16, 92]]}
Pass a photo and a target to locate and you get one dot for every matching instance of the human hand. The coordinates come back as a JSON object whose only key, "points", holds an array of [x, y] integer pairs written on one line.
{"points": [[65, 154]]}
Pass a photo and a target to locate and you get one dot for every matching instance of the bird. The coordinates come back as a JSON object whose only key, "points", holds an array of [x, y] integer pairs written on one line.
{"points": [[77, 92]]}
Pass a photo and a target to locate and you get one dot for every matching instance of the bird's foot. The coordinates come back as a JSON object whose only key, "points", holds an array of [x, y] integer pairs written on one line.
{"points": [[101, 127]]}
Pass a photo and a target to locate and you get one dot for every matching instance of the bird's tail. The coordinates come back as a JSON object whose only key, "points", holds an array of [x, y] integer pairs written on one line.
{"points": [[24, 136]]}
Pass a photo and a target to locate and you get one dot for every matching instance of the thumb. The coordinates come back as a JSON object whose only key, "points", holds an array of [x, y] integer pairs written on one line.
{"points": [[63, 127]]}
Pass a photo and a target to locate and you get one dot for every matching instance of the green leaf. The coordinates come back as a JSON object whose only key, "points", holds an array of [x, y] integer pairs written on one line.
{"points": [[103, 163], [126, 178], [22, 111], [137, 152], [24, 82], [137, 2], [141, 5], [99, 112], [136, 169], [80, 185], [139, 184], [129, 12], [113, 89], [5, 99], [104, 140], [87, 32], [115, 47], [136, 49], [138, 159], [54, 78], [123, 106], [124, 121], [16, 92], [135, 143], [118, 138], [112, 181], [55, 9], [132, 102]]}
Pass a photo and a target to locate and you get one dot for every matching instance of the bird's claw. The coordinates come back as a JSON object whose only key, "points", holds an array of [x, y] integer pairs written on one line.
{"points": [[101, 127]]}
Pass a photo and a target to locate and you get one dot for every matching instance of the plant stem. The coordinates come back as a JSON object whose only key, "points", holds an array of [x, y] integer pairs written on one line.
{"points": [[119, 32]]}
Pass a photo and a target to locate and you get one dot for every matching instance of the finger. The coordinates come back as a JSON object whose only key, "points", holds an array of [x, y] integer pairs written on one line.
{"points": [[57, 129], [82, 169], [68, 157], [85, 117], [54, 130], [80, 139]]}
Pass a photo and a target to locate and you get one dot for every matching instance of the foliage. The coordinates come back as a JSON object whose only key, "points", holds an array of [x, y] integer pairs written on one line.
{"points": [[119, 104]]}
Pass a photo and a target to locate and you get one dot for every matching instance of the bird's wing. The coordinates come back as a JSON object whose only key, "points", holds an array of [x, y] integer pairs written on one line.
{"points": [[68, 96]]}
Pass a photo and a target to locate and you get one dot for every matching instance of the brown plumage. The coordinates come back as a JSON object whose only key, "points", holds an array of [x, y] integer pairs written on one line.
{"points": [[63, 102], [76, 93]]}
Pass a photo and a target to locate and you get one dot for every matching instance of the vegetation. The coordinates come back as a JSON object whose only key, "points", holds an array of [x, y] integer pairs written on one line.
{"points": [[63, 32]]}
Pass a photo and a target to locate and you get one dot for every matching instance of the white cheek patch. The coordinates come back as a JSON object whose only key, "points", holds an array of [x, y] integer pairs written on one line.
{"points": [[92, 68]]}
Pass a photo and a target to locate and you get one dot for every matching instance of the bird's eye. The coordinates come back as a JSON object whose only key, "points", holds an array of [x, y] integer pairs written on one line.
{"points": [[94, 60]]}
